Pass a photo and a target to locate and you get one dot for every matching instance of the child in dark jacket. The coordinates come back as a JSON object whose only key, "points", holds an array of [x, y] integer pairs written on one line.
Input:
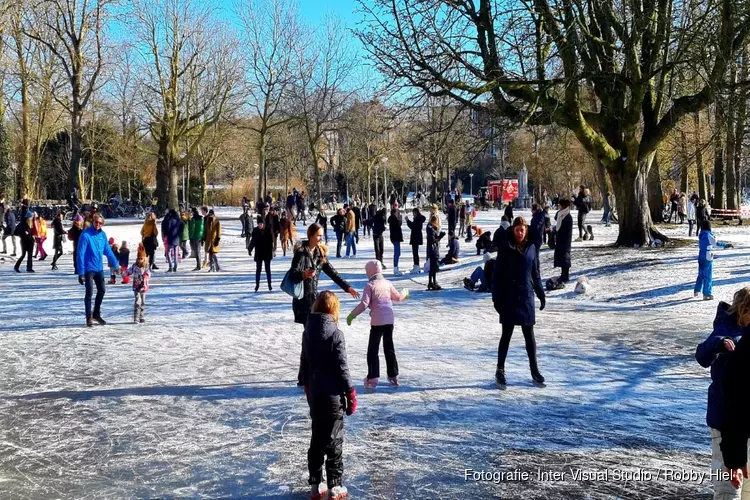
{"points": [[330, 393], [433, 250], [116, 251], [123, 258], [731, 324], [453, 249]]}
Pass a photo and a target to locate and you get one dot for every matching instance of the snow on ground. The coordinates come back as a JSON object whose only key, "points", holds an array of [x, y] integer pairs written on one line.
{"points": [[201, 400]]}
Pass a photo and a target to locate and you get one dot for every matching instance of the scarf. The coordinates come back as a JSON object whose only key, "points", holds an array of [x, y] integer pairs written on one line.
{"points": [[561, 215]]}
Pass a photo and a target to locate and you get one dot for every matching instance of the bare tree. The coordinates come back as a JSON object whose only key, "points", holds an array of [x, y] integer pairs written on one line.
{"points": [[324, 64], [188, 82], [270, 31], [73, 30]]}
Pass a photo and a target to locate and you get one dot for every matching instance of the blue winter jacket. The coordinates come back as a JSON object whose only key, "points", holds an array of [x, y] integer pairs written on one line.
{"points": [[515, 280], [711, 353], [91, 246], [172, 230], [536, 229], [706, 243]]}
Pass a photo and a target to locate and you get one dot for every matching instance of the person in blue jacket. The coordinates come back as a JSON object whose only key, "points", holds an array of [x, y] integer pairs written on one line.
{"points": [[92, 245], [706, 245], [732, 322], [171, 230], [515, 280]]}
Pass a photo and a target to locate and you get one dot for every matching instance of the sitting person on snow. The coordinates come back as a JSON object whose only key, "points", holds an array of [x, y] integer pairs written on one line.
{"points": [[481, 275], [484, 243], [453, 249]]}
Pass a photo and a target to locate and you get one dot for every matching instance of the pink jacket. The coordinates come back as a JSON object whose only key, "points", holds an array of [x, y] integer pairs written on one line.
{"points": [[379, 295]]}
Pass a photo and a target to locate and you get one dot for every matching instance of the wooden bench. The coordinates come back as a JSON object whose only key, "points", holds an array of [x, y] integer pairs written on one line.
{"points": [[727, 214]]}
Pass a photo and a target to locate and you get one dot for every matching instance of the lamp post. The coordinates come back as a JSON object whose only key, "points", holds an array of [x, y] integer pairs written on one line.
{"points": [[471, 184], [376, 183], [385, 178]]}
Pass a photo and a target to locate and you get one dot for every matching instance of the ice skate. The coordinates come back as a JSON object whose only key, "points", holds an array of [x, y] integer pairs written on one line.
{"points": [[579, 239], [500, 379], [371, 383], [708, 297], [590, 231], [697, 295], [98, 319], [396, 271], [393, 381], [338, 493], [468, 284], [89, 322], [318, 491], [416, 269], [112, 281], [537, 377]]}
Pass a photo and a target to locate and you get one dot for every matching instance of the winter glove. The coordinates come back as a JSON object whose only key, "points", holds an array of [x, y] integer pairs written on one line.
{"points": [[351, 401], [543, 303], [350, 319], [216, 242], [81, 281]]}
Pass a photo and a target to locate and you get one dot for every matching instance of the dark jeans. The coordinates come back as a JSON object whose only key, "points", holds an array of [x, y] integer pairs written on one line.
{"points": [[565, 276], [582, 224], [75, 258], [373, 347], [58, 254], [434, 266], [184, 248], [377, 240], [502, 349], [195, 247], [258, 266], [325, 232], [27, 252], [690, 227], [415, 253], [97, 277], [327, 441], [339, 238]]}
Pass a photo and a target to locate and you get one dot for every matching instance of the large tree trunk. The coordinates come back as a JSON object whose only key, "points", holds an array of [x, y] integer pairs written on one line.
{"points": [[262, 164], [719, 163], [629, 180], [174, 182], [162, 172], [702, 193], [655, 199], [75, 177]]}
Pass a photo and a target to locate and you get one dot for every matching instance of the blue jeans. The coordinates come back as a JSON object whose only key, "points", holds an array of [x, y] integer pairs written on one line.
{"points": [[705, 279], [606, 216], [172, 257], [396, 252], [97, 277], [350, 244]]}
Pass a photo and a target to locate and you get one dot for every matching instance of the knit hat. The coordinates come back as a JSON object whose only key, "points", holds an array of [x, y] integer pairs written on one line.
{"points": [[141, 251], [111, 241], [78, 219], [29, 215], [373, 267]]}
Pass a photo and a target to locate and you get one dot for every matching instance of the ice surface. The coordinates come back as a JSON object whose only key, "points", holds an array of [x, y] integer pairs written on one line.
{"points": [[201, 401]]}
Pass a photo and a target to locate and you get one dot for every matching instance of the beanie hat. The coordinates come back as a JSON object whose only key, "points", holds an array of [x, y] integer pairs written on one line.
{"points": [[111, 241], [78, 218], [29, 215], [141, 251]]}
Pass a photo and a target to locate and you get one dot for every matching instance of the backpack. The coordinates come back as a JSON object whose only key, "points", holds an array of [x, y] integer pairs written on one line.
{"points": [[554, 284], [290, 287]]}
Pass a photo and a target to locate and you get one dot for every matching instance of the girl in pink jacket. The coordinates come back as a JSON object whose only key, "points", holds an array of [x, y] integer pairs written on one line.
{"points": [[379, 295]]}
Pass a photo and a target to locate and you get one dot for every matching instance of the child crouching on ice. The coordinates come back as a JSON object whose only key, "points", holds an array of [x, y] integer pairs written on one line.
{"points": [[379, 295], [330, 393], [139, 273]]}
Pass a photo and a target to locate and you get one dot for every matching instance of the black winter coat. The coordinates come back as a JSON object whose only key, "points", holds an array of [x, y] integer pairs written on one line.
{"points": [[583, 203], [378, 223], [563, 242], [305, 259], [500, 237], [273, 224], [324, 369], [433, 242], [509, 212], [24, 232], [10, 223], [57, 242], [736, 430], [322, 220], [416, 230], [357, 217], [338, 223], [74, 233], [514, 282], [394, 224], [452, 216], [536, 229], [262, 242]]}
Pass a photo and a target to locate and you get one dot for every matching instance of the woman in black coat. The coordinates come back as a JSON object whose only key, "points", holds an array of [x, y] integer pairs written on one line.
{"points": [[310, 258], [433, 251], [262, 242], [515, 281], [57, 242], [563, 239], [397, 237], [415, 240], [338, 223]]}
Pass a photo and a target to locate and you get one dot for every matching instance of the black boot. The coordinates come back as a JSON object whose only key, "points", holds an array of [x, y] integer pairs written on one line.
{"points": [[537, 377], [98, 319], [500, 378]]}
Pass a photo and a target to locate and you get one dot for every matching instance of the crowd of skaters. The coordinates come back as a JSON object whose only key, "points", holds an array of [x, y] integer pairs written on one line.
{"points": [[511, 275]]}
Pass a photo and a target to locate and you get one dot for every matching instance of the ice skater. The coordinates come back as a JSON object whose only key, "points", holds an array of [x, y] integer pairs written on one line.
{"points": [[433, 252], [415, 239], [379, 295], [397, 237], [563, 237], [92, 245], [25, 232], [706, 245], [262, 243], [123, 258], [195, 228], [57, 241], [515, 281], [732, 323], [330, 394], [140, 276], [212, 235]]}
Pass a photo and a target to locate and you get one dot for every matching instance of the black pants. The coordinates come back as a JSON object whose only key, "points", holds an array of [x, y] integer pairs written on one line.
{"points": [[373, 348], [377, 240], [565, 276], [434, 266], [325, 232], [58, 254], [184, 248], [339, 238], [502, 348], [27, 252], [258, 266], [452, 228], [75, 258], [97, 277], [415, 253], [327, 441], [581, 224], [150, 251]]}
